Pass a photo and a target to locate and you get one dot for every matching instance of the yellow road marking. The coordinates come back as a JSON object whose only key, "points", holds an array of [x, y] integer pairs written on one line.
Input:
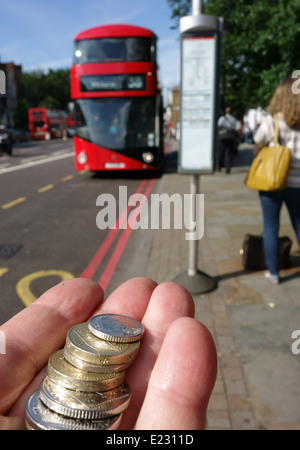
{"points": [[40, 191], [14, 202], [3, 271], [23, 286], [69, 177], [45, 188]]}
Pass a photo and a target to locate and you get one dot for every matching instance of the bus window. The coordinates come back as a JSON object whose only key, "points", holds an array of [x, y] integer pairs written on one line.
{"points": [[39, 124], [117, 123], [137, 49]]}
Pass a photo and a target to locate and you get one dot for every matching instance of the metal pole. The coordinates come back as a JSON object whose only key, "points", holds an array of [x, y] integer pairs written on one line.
{"points": [[197, 7], [194, 184], [193, 244]]}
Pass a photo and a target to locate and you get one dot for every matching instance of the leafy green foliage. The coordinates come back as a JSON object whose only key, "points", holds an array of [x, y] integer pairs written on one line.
{"points": [[260, 47], [49, 90], [179, 8]]}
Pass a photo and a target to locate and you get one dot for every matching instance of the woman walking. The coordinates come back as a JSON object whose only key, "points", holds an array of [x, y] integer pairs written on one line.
{"points": [[286, 104]]}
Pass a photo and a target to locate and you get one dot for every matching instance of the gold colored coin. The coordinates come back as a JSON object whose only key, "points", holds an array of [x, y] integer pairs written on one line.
{"points": [[89, 367], [84, 405], [62, 372], [85, 388], [83, 344]]}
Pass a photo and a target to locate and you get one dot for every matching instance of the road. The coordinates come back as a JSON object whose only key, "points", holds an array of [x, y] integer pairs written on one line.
{"points": [[48, 229]]}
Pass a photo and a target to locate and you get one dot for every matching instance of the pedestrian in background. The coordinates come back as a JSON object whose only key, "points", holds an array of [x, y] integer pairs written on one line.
{"points": [[247, 133], [287, 105], [228, 134]]}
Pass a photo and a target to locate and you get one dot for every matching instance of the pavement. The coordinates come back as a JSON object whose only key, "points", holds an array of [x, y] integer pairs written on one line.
{"points": [[251, 320]]}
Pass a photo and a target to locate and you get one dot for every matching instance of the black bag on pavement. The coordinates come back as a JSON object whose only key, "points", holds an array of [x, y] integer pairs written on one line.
{"points": [[253, 255]]}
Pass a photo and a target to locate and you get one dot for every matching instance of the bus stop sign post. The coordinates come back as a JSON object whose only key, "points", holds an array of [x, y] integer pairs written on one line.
{"points": [[200, 57]]}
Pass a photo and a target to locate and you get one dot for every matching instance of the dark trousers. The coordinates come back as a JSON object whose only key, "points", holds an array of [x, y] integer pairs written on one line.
{"points": [[271, 206], [226, 153]]}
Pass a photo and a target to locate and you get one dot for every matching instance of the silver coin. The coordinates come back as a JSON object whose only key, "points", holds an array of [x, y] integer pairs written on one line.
{"points": [[83, 344], [39, 417], [116, 328], [89, 367], [84, 405]]}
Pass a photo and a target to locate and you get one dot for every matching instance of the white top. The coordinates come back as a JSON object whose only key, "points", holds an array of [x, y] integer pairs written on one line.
{"points": [[289, 138], [228, 121]]}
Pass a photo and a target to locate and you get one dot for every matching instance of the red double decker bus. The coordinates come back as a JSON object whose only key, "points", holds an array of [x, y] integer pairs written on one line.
{"points": [[117, 101], [47, 123]]}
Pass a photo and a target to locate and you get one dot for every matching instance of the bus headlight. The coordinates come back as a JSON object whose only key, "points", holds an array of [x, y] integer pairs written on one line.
{"points": [[148, 157], [82, 158]]}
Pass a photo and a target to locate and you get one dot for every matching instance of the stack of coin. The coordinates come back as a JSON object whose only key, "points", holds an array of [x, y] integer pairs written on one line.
{"points": [[85, 386]]}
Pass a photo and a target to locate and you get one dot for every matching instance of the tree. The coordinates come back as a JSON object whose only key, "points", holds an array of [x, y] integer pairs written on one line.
{"points": [[37, 88], [57, 86], [50, 102], [180, 8], [20, 114], [260, 46]]}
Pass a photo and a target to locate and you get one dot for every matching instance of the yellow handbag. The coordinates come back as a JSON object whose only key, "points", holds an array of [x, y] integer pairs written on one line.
{"points": [[269, 169]]}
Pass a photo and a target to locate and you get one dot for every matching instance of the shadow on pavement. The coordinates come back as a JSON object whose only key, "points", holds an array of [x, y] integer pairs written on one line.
{"points": [[295, 262]]}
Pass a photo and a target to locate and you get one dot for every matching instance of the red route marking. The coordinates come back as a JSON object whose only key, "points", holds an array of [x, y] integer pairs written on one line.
{"points": [[120, 247], [91, 268], [108, 241]]}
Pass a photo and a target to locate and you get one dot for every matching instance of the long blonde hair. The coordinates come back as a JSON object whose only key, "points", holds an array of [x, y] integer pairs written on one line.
{"points": [[286, 102]]}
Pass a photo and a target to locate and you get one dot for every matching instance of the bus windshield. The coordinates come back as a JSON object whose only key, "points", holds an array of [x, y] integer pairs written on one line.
{"points": [[117, 123], [137, 49], [38, 124]]}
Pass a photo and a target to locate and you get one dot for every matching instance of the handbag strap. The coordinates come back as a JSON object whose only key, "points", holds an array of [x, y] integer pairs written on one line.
{"points": [[276, 129]]}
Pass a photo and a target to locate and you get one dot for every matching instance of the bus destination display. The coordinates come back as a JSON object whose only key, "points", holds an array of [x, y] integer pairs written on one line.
{"points": [[115, 82]]}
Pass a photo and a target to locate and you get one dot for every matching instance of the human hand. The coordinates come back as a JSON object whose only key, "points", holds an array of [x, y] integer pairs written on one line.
{"points": [[171, 379]]}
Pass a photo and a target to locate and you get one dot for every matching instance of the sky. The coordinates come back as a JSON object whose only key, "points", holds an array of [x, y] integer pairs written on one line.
{"points": [[38, 34]]}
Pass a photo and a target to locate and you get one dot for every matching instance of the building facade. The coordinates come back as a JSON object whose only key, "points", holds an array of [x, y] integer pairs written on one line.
{"points": [[9, 99]]}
